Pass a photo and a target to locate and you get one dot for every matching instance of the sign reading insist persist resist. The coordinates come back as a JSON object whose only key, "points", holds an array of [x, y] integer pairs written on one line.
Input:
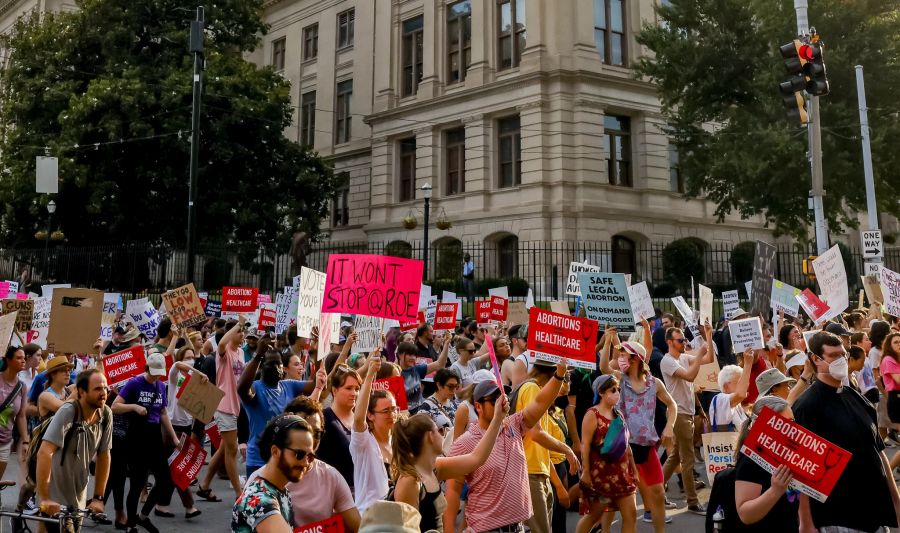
{"points": [[555, 337], [373, 285]]}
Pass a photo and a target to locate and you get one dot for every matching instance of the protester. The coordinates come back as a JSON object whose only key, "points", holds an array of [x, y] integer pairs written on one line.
{"points": [[12, 404], [466, 410], [725, 411], [122, 339], [414, 373], [370, 442], [520, 364], [33, 365], [878, 330], [442, 405], [470, 359], [425, 342], [56, 392], [773, 382], [335, 446], [865, 375]]}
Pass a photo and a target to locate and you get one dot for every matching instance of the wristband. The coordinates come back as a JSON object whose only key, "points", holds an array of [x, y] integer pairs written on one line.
{"points": [[561, 378]]}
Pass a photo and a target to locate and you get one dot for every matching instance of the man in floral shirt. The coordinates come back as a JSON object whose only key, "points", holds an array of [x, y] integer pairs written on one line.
{"points": [[264, 505]]}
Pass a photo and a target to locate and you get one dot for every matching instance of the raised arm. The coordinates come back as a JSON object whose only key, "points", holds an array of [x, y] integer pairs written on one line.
{"points": [[533, 412], [740, 392], [230, 335], [648, 337], [441, 362], [606, 352], [362, 401], [458, 466]]}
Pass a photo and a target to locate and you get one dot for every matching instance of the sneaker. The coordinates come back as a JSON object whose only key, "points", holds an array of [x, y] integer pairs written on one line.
{"points": [[697, 508], [670, 505], [699, 485], [648, 518]]}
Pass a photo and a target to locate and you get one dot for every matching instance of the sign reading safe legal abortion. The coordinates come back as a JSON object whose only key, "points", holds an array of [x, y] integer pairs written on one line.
{"points": [[373, 285], [605, 299], [815, 463], [562, 338]]}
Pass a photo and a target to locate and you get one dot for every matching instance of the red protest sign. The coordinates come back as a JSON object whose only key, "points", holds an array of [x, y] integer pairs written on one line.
{"points": [[812, 304], [394, 384], [483, 312], [264, 299], [373, 285], [445, 316], [239, 299], [411, 326], [815, 463], [499, 308], [185, 463], [335, 524], [215, 438], [556, 337], [121, 366], [267, 317]]}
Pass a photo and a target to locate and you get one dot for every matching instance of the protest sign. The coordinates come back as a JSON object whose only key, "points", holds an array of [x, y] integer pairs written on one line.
{"points": [[746, 333], [708, 376], [718, 452], [335, 524], [215, 436], [641, 303], [213, 308], [450, 297], [872, 286], [368, 333], [282, 312], [560, 338], [24, 310], [812, 305], [445, 316], [185, 464], [832, 279], [784, 298], [108, 317], [430, 309], [890, 283], [499, 309], [47, 290], [495, 366], [8, 289], [267, 316], [483, 313], [239, 299], [605, 299], [529, 300], [815, 463], [561, 307], [263, 298], [807, 335], [373, 285], [40, 322], [394, 384], [199, 399], [329, 333], [411, 326], [573, 287], [684, 310], [748, 288], [74, 320], [502, 292], [518, 313], [761, 282], [706, 305], [731, 303], [7, 327], [183, 306], [862, 299], [144, 316], [309, 300], [424, 295], [121, 366]]}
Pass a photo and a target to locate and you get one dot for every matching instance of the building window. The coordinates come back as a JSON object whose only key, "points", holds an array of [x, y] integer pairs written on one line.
{"points": [[342, 117], [310, 42], [510, 142], [456, 161], [278, 48], [308, 118], [617, 145], [508, 257], [609, 30], [413, 34], [676, 180], [407, 169], [459, 40], [511, 34], [345, 28], [340, 205], [624, 258]]}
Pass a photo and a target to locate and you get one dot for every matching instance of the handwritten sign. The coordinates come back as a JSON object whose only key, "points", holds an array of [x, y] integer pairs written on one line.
{"points": [[368, 333], [815, 463], [483, 313], [684, 310], [572, 285], [499, 309], [708, 376], [185, 464], [335, 524], [144, 316], [309, 300], [183, 306], [746, 333], [445, 316], [108, 317], [718, 452], [731, 303], [784, 298], [199, 399], [75, 320], [40, 323], [213, 308], [24, 310], [394, 384], [329, 333], [812, 305], [763, 275], [121, 366], [239, 299], [872, 286], [890, 283], [560, 338], [706, 304], [641, 303], [7, 326], [518, 313], [373, 285], [605, 299], [430, 309], [832, 279]]}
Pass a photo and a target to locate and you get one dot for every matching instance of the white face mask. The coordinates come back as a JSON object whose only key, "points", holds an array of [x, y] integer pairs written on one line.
{"points": [[840, 369]]}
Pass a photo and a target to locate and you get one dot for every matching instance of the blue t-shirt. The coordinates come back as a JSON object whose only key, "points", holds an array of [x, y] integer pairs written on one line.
{"points": [[39, 385], [150, 396], [412, 382], [267, 403]]}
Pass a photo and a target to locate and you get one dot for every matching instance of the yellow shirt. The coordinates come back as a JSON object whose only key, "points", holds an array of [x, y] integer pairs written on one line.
{"points": [[557, 433], [536, 456]]}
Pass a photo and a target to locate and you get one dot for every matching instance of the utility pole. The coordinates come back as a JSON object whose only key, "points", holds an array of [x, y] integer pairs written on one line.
{"points": [[866, 148], [195, 47]]}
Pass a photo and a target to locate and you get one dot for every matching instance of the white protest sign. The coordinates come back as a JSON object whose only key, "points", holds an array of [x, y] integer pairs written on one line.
{"points": [[832, 278], [746, 333], [706, 304], [144, 316], [329, 333], [641, 304], [424, 295], [40, 322], [784, 298], [684, 309], [108, 318], [572, 287], [502, 292], [309, 301], [890, 290], [731, 302], [368, 333], [529, 300], [430, 309], [47, 290], [13, 289], [749, 288]]}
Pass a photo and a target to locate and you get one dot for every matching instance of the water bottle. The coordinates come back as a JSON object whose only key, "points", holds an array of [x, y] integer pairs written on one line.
{"points": [[718, 519]]}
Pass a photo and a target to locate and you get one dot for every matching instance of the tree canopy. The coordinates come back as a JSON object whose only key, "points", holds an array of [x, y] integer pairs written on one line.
{"points": [[717, 67], [108, 89]]}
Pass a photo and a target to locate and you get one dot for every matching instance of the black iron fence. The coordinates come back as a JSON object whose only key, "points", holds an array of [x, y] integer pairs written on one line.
{"points": [[541, 266]]}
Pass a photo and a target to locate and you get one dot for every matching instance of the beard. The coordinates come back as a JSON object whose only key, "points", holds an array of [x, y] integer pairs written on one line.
{"points": [[293, 474]]}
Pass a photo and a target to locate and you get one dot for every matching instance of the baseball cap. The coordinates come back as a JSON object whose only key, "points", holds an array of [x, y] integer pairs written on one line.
{"points": [[486, 388], [795, 358], [634, 348], [482, 375], [770, 378], [837, 329], [156, 364]]}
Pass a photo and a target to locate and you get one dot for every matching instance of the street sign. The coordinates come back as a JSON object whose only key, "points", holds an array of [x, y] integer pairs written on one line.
{"points": [[873, 268], [872, 244], [47, 175]]}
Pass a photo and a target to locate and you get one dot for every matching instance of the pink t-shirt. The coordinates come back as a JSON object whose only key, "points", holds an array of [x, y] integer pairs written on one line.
{"points": [[228, 370], [320, 494], [889, 366]]}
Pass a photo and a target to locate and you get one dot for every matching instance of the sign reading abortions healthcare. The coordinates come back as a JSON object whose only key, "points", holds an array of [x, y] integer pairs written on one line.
{"points": [[373, 285], [483, 312], [815, 463], [239, 299], [183, 306], [812, 305], [335, 524], [121, 366], [394, 384], [605, 299], [499, 309], [561, 338], [185, 464], [445, 316]]}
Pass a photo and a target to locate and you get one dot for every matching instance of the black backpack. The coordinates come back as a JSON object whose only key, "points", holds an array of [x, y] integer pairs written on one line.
{"points": [[37, 436], [722, 497]]}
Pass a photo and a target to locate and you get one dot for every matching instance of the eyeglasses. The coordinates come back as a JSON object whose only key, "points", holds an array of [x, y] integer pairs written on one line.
{"points": [[302, 454], [680, 341], [388, 411]]}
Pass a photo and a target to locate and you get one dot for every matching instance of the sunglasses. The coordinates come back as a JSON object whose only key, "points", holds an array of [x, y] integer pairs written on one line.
{"points": [[680, 341], [302, 454]]}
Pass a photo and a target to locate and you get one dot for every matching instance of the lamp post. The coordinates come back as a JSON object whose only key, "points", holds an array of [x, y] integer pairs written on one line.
{"points": [[426, 193], [51, 208], [195, 47]]}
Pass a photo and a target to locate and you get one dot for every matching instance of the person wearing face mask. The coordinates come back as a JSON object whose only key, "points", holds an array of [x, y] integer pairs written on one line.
{"points": [[842, 416], [266, 397]]}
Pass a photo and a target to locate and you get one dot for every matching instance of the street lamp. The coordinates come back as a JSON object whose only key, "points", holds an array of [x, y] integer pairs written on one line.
{"points": [[426, 193], [51, 208]]}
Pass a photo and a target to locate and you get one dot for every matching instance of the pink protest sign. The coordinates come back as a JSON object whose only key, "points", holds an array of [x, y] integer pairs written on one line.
{"points": [[373, 285]]}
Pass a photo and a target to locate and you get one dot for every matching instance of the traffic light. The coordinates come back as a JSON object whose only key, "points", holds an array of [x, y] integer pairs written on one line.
{"points": [[791, 89], [814, 68], [808, 268]]}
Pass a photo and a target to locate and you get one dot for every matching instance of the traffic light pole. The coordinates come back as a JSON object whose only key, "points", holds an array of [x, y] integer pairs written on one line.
{"points": [[195, 46]]}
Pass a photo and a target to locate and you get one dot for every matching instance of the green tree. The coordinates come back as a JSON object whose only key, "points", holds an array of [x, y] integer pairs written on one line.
{"points": [[717, 67], [108, 89]]}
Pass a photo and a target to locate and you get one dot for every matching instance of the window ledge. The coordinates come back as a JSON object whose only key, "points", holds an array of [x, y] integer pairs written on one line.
{"points": [[344, 48], [507, 73], [310, 60]]}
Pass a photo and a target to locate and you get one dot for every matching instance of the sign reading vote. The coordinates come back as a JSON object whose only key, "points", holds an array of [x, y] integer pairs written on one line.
{"points": [[373, 285], [605, 299], [239, 299], [561, 338]]}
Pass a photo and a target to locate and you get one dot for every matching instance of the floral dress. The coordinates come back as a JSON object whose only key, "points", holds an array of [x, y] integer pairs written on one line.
{"points": [[260, 500], [609, 480]]}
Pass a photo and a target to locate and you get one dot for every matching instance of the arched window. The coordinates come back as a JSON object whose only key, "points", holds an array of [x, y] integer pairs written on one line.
{"points": [[398, 249], [624, 255], [508, 257]]}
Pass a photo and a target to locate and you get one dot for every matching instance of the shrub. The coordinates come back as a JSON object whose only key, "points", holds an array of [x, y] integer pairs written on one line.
{"points": [[742, 261], [681, 260], [517, 286]]}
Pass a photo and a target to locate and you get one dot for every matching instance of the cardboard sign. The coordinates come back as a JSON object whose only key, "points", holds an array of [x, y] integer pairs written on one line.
{"points": [[483, 313], [763, 275], [572, 285], [309, 300], [815, 463], [518, 313], [368, 333], [75, 320], [706, 305], [746, 333], [239, 299], [718, 452], [872, 286], [708, 376], [560, 338], [200, 400], [215, 437], [108, 317], [184, 307], [812, 305], [731, 303], [395, 385], [40, 323], [499, 309], [121, 366], [335, 524], [641, 303], [784, 298], [832, 279], [7, 326], [24, 311], [890, 283], [185, 464], [144, 316], [373, 285], [445, 316], [561, 307], [605, 299]]}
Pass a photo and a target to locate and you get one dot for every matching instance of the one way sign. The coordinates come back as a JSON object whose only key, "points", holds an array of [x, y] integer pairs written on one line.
{"points": [[872, 244]]}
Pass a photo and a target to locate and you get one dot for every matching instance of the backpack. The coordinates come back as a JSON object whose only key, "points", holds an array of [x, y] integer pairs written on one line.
{"points": [[514, 395], [722, 496], [37, 436]]}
